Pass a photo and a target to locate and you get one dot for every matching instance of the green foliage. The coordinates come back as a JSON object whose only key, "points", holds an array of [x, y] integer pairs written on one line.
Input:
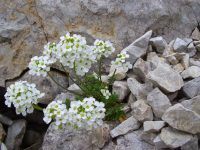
{"points": [[92, 88]]}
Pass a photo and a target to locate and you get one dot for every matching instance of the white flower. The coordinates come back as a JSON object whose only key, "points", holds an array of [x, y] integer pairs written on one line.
{"points": [[22, 95], [105, 92], [50, 50], [40, 65], [120, 62], [57, 112], [102, 48], [74, 53]]}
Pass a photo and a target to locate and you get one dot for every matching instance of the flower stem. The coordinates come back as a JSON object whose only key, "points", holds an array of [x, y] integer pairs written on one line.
{"points": [[100, 63], [37, 107]]}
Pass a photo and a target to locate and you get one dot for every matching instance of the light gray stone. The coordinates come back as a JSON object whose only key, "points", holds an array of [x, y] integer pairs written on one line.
{"points": [[121, 89], [154, 59], [192, 88], [158, 101], [191, 50], [172, 59], [185, 61], [148, 137], [120, 74], [133, 140], [126, 126], [139, 47], [159, 144], [194, 62], [15, 134], [191, 72], [191, 145], [174, 138], [131, 99], [182, 119], [178, 67], [179, 45], [158, 43], [153, 126], [141, 111], [195, 34], [75, 88], [139, 90], [166, 78]]}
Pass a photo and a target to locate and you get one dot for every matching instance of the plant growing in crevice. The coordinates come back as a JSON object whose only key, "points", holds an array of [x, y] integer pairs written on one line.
{"points": [[94, 104]]}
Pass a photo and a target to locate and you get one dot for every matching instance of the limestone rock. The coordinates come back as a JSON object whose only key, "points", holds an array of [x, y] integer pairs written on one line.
{"points": [[15, 134], [153, 126], [75, 88], [179, 45], [126, 126], [148, 137], [174, 138], [159, 144], [141, 111], [139, 90], [192, 88], [133, 140], [185, 61], [2, 133], [180, 118], [166, 78], [121, 89], [119, 73], [154, 59], [191, 50], [196, 34], [131, 99], [178, 67], [191, 145], [72, 139], [139, 47], [194, 62], [158, 43], [191, 72], [158, 101]]}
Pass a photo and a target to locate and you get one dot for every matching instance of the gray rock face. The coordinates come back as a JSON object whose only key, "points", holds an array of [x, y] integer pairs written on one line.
{"points": [[159, 144], [121, 89], [158, 101], [153, 126], [133, 140], [128, 125], [178, 67], [139, 47], [148, 137], [166, 78], [191, 72], [192, 88], [196, 34], [158, 43], [182, 119], [179, 45], [194, 62], [191, 50], [139, 90], [191, 145], [141, 111], [2, 133], [15, 134], [70, 139], [174, 138]]}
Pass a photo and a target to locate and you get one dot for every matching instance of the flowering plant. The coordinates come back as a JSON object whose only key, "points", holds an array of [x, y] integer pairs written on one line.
{"points": [[95, 103]]}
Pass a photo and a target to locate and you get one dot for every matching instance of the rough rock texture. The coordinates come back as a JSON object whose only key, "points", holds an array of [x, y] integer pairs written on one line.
{"points": [[158, 101], [166, 78], [182, 119], [192, 88], [27, 25], [128, 125], [191, 145], [153, 126], [159, 44], [191, 72], [70, 139], [159, 144], [174, 138]]}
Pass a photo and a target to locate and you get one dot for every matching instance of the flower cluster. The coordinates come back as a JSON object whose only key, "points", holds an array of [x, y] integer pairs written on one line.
{"points": [[22, 95], [74, 53], [57, 111], [120, 62], [106, 93], [50, 50], [102, 48], [86, 114], [40, 65]]}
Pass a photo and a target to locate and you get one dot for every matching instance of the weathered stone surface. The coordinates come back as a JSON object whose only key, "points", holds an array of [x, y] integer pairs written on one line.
{"points": [[2, 133], [119, 73], [133, 140], [46, 85], [179, 45], [159, 144], [185, 61], [191, 72], [71, 139], [110, 146], [158, 101], [139, 90], [126, 126], [153, 126], [158, 43], [153, 58], [191, 145], [192, 88], [196, 34], [182, 119], [139, 47], [194, 62], [191, 50], [15, 134], [166, 78], [148, 137], [121, 89], [174, 138], [131, 99], [141, 111], [172, 59], [178, 67]]}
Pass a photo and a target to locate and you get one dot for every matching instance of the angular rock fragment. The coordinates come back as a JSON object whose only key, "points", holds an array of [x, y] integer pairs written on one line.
{"points": [[166, 78], [196, 34], [194, 62], [154, 59], [148, 137], [128, 125], [191, 72], [192, 88], [159, 144], [191, 145], [158, 101], [141, 111], [158, 43], [153, 126], [179, 45], [191, 50], [182, 119], [178, 67], [185, 61]]}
